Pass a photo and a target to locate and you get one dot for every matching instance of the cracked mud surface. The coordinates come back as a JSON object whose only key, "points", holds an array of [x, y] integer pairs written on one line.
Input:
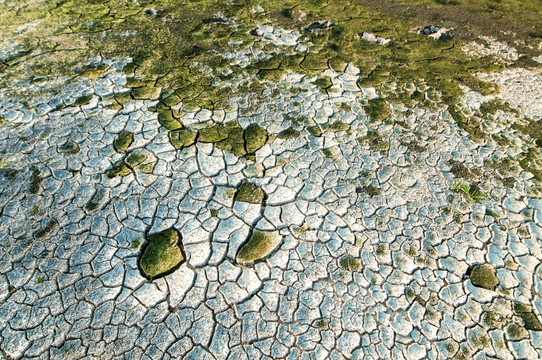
{"points": [[293, 181]]}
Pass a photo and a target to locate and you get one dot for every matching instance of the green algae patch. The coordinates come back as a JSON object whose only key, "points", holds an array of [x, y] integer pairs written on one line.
{"points": [[255, 138], [350, 263], [235, 142], [492, 106], [289, 133], [123, 141], [315, 131], [69, 147], [182, 138], [378, 110], [516, 332], [375, 141], [118, 169], [214, 134], [483, 276], [35, 181], [259, 245], [162, 254], [338, 126], [134, 159], [47, 229], [525, 312], [166, 119], [250, 193], [83, 100]]}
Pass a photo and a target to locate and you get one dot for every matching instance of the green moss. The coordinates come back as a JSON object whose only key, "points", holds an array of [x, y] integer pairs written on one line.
{"points": [[162, 254], [375, 141], [47, 229], [182, 138], [369, 190], [516, 332], [323, 82], [123, 141], [255, 138], [83, 100], [259, 245], [250, 193], [413, 146], [69, 147], [118, 169], [166, 119], [338, 126], [289, 133], [314, 131], [491, 320], [492, 106], [350, 263], [378, 110], [134, 159], [214, 133], [529, 318], [470, 125], [321, 324], [483, 276], [35, 181]]}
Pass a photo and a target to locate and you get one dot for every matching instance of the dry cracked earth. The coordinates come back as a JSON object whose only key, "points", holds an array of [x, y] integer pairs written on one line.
{"points": [[270, 180]]}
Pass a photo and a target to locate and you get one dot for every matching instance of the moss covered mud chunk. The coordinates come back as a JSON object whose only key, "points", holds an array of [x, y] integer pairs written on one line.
{"points": [[182, 138], [350, 263], [338, 126], [166, 119], [483, 276], [314, 131], [259, 245], [255, 138], [35, 181], [135, 158], [525, 312], [235, 143], [119, 169], [516, 332], [250, 193], [83, 100], [214, 134], [162, 254], [69, 147], [47, 229], [289, 133], [378, 109], [123, 141]]}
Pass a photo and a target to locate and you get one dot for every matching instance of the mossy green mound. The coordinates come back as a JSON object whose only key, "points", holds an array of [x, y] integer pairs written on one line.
{"points": [[118, 169], [259, 245], [483, 276], [182, 138], [250, 193], [525, 312], [289, 133], [255, 138], [378, 110], [162, 254], [123, 141]]}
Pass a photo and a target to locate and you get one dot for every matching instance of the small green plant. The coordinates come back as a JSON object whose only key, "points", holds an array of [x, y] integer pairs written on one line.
{"points": [[471, 191], [135, 244], [40, 279], [35, 209]]}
